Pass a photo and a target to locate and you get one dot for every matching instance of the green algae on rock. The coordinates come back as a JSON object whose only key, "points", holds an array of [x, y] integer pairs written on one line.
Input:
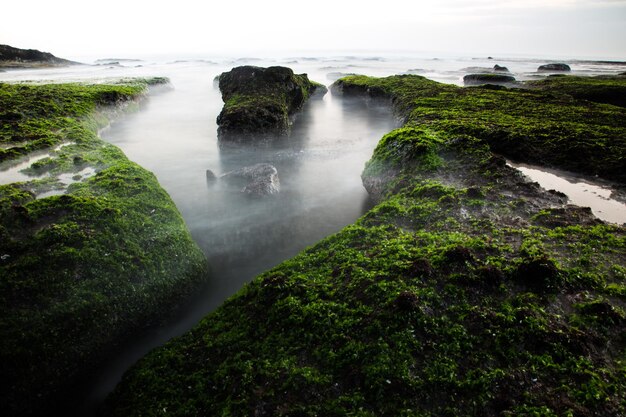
{"points": [[548, 128], [260, 101], [600, 89], [94, 262], [488, 78], [466, 291]]}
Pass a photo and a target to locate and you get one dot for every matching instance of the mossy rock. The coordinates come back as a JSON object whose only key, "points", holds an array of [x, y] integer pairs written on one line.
{"points": [[479, 79], [260, 101], [562, 122], [85, 270], [602, 89], [439, 301]]}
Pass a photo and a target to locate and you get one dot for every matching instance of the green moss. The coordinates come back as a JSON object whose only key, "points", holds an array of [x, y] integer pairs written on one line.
{"points": [[607, 90], [81, 271]]}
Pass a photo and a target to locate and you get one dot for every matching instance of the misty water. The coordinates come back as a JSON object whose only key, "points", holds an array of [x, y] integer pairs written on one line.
{"points": [[174, 135]]}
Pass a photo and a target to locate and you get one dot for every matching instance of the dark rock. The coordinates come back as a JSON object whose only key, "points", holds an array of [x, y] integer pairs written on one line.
{"points": [[491, 277], [29, 58], [603, 311], [569, 215], [478, 79], [421, 268], [554, 67], [407, 301], [539, 274], [261, 179], [475, 192], [459, 254], [261, 100], [500, 68]]}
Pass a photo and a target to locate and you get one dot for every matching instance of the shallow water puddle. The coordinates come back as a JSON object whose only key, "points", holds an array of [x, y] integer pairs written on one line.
{"points": [[596, 194], [67, 179], [11, 171], [7, 146]]}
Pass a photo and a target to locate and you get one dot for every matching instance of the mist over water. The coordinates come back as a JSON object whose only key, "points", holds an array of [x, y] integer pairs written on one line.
{"points": [[319, 167], [174, 135]]}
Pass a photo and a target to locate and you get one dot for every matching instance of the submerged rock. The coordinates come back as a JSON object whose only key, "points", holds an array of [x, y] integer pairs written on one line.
{"points": [[260, 101], [262, 179], [554, 67], [479, 79]]}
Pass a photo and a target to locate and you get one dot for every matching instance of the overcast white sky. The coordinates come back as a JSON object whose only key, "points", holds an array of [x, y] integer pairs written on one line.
{"points": [[561, 28]]}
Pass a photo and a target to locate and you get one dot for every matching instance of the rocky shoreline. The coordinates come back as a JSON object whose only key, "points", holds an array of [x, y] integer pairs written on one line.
{"points": [[15, 58], [466, 290]]}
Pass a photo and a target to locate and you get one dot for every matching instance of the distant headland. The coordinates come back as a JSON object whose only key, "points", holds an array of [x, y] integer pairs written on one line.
{"points": [[11, 57]]}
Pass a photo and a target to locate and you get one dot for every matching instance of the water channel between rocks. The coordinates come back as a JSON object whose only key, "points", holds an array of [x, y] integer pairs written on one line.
{"points": [[319, 166]]}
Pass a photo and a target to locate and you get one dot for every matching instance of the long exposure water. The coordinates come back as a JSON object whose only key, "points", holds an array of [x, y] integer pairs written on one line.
{"points": [[174, 135]]}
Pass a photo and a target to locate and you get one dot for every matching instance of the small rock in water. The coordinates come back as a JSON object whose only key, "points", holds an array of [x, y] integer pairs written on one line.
{"points": [[500, 68], [554, 67], [262, 179], [210, 176]]}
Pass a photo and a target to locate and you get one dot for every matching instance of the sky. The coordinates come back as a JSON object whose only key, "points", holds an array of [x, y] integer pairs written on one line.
{"points": [[124, 28]]}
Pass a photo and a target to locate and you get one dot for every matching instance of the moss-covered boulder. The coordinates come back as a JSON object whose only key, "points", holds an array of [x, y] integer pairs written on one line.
{"points": [[466, 291], [260, 101], [92, 249]]}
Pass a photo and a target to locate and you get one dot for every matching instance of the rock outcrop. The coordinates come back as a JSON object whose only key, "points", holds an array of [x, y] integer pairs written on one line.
{"points": [[260, 179], [500, 68], [259, 102], [479, 79], [11, 57], [555, 67]]}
